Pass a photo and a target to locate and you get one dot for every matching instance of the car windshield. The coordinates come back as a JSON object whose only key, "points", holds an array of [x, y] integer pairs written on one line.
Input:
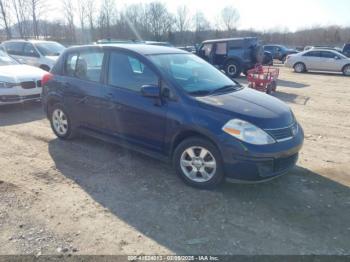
{"points": [[193, 74], [50, 48], [6, 60]]}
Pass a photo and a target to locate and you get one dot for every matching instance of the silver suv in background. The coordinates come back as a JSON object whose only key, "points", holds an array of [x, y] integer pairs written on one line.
{"points": [[319, 60], [38, 53]]}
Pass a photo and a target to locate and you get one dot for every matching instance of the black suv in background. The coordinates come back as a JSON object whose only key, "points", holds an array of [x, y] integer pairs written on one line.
{"points": [[346, 50], [233, 55]]}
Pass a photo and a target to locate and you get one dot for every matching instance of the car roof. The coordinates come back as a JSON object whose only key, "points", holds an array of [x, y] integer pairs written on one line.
{"points": [[27, 41], [142, 49], [228, 39]]}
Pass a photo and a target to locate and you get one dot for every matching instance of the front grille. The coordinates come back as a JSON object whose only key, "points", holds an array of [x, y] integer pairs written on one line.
{"points": [[284, 163], [28, 84], [281, 134]]}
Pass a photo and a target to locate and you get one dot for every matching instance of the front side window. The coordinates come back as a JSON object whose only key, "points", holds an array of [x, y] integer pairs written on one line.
{"points": [[129, 72], [328, 54], [86, 65], [30, 51], [191, 73]]}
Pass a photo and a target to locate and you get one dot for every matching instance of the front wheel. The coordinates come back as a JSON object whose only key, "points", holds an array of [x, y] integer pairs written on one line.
{"points": [[198, 163], [60, 122], [346, 70], [233, 69]]}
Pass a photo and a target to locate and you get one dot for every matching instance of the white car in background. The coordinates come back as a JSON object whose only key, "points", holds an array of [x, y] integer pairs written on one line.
{"points": [[319, 60], [43, 54], [18, 83]]}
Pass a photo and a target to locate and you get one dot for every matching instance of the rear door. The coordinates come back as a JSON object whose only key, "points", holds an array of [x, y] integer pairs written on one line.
{"points": [[313, 60], [30, 55], [83, 90], [134, 118]]}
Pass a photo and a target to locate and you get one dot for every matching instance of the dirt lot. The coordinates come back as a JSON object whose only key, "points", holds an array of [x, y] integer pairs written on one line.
{"points": [[89, 197]]}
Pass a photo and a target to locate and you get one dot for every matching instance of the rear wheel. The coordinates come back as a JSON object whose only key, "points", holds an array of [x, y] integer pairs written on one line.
{"points": [[61, 123], [198, 163], [233, 69], [299, 68], [346, 70]]}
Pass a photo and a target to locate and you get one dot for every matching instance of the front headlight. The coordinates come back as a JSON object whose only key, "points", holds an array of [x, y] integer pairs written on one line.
{"points": [[247, 132], [8, 85]]}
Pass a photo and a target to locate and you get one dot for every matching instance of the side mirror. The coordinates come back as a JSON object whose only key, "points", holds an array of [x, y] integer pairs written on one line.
{"points": [[336, 57], [150, 91]]}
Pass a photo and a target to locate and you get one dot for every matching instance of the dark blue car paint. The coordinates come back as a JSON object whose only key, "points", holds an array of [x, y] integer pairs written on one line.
{"points": [[157, 126]]}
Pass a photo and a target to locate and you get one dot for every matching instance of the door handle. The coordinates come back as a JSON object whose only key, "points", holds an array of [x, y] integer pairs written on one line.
{"points": [[83, 100]]}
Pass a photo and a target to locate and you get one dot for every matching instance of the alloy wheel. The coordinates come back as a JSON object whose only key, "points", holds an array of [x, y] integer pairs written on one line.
{"points": [[60, 122], [198, 164]]}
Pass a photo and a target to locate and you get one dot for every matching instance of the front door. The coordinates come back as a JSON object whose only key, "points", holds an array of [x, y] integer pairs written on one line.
{"points": [[134, 118]]}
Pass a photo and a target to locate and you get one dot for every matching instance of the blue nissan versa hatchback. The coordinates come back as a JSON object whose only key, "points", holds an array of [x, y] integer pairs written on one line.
{"points": [[174, 106]]}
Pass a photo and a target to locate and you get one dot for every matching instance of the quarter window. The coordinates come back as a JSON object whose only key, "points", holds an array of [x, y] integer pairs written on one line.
{"points": [[129, 72]]}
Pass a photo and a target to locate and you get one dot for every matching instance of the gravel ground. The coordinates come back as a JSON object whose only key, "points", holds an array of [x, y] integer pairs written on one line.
{"points": [[89, 197]]}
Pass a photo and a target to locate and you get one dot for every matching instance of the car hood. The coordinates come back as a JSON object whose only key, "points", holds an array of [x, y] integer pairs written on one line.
{"points": [[260, 109], [20, 73]]}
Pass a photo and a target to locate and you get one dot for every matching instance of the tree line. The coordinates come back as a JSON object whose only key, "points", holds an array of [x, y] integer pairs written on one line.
{"points": [[85, 21]]}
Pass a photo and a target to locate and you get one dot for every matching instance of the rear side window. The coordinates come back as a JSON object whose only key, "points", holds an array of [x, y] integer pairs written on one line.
{"points": [[14, 48], [221, 48], [313, 54], [85, 66], [129, 72]]}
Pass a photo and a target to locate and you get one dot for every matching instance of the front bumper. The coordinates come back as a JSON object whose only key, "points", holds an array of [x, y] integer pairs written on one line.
{"points": [[251, 163], [16, 99], [18, 95]]}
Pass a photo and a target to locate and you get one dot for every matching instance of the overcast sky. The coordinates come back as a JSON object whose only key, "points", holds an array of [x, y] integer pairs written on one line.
{"points": [[263, 14]]}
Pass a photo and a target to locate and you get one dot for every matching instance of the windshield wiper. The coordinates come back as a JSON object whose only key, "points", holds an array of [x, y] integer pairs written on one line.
{"points": [[225, 88], [199, 92]]}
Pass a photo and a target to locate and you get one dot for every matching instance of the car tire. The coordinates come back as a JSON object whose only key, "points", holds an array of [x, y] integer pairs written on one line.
{"points": [[283, 59], [198, 163], [233, 69], [45, 68], [299, 67], [61, 123], [346, 70]]}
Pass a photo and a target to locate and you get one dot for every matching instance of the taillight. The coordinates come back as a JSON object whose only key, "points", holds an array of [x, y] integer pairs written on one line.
{"points": [[46, 78]]}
